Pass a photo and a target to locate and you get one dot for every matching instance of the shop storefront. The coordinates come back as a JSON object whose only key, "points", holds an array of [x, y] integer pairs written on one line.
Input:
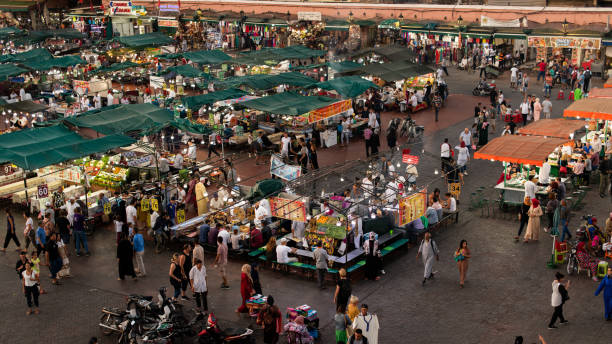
{"points": [[128, 20], [577, 50]]}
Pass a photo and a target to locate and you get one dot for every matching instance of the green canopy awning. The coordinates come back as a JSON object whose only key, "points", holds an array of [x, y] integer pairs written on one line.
{"points": [[153, 39], [364, 22], [58, 62], [288, 103], [207, 56], [26, 106], [115, 67], [389, 24], [16, 5], [11, 30], [396, 70], [395, 53], [267, 22], [141, 119], [337, 25], [187, 71], [266, 81], [510, 35], [310, 66], [39, 147], [279, 54], [172, 56], [347, 86], [345, 66], [191, 127], [7, 70], [32, 37], [196, 102], [30, 55]]}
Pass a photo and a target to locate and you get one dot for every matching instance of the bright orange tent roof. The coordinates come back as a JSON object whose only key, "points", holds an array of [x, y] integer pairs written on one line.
{"points": [[596, 108], [607, 85], [600, 93], [558, 127], [530, 150]]}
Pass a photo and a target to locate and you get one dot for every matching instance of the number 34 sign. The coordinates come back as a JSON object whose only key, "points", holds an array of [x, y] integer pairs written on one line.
{"points": [[43, 191]]}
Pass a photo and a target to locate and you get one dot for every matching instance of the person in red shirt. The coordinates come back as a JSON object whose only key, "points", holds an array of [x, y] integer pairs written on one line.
{"points": [[542, 68]]}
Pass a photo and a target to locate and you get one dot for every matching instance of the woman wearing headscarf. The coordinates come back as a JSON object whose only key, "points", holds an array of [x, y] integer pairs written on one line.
{"points": [[125, 255], [537, 110], [533, 225], [246, 287], [298, 330], [483, 132], [523, 216], [271, 320], [372, 265]]}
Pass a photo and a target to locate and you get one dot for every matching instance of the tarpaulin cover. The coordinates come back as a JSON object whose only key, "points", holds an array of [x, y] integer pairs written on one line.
{"points": [[115, 67], [187, 71], [288, 103], [558, 127], [170, 56], [337, 25], [32, 37], [396, 70], [147, 40], [7, 70], [280, 54], [39, 147], [196, 102], [26, 106], [207, 56], [530, 150], [395, 53], [191, 127], [345, 66], [347, 86], [600, 93], [58, 62], [124, 118], [34, 54], [265, 188], [597, 108], [266, 81], [11, 30], [310, 66]]}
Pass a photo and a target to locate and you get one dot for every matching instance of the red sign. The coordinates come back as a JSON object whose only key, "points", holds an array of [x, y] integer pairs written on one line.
{"points": [[43, 191], [409, 159]]}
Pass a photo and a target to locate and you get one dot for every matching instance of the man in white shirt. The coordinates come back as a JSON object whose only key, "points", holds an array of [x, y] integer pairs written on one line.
{"points": [[282, 252], [216, 203], [261, 213], [372, 119], [414, 101], [346, 131], [199, 285], [191, 150], [110, 98], [223, 233], [544, 174], [513, 77], [178, 161], [70, 206], [466, 137], [530, 188], [163, 164], [285, 142], [445, 151], [547, 107], [131, 213], [507, 130], [524, 111], [98, 101], [596, 144]]}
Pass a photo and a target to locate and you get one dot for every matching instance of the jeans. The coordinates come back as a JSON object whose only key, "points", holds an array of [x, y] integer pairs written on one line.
{"points": [[541, 74], [547, 90], [321, 277], [558, 313], [32, 292], [80, 239], [55, 266], [201, 300], [140, 263], [565, 230], [212, 149], [436, 109], [345, 137], [177, 287]]}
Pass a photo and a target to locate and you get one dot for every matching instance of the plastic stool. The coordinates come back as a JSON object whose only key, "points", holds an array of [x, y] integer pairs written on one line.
{"points": [[559, 257], [570, 96], [560, 95], [602, 269]]}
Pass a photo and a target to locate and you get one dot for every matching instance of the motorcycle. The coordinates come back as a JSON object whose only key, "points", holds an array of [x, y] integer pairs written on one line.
{"points": [[213, 334], [484, 88], [572, 262], [410, 129]]}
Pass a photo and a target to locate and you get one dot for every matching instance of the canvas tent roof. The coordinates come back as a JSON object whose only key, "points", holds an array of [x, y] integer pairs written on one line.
{"points": [[34, 54], [347, 86], [532, 150], [345, 66], [596, 92], [7, 70], [207, 56], [58, 62], [39, 147], [187, 71], [288, 103], [198, 101], [596, 108], [396, 70], [267, 81], [115, 67], [279, 54], [124, 119], [26, 106], [147, 40], [558, 127]]}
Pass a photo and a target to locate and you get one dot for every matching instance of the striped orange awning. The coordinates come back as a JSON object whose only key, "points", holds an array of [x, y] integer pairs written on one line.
{"points": [[532, 150], [558, 127], [596, 108]]}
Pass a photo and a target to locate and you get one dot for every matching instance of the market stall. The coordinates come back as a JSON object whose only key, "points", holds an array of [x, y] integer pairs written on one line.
{"points": [[599, 110], [525, 152], [558, 127]]}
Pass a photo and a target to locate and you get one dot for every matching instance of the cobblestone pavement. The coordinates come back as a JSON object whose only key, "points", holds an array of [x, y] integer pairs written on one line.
{"points": [[507, 292]]}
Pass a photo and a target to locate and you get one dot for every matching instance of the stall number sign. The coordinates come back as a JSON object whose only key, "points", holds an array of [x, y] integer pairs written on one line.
{"points": [[180, 216], [144, 204], [107, 208], [120, 7], [43, 191], [6, 170], [454, 189], [154, 204]]}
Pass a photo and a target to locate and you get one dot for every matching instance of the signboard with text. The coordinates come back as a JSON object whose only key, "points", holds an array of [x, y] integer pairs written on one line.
{"points": [[167, 22], [284, 171], [412, 207], [329, 111], [564, 42], [120, 7], [309, 16], [43, 191], [288, 209]]}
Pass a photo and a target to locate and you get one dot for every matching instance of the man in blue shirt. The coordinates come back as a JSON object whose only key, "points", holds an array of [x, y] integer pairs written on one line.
{"points": [[41, 238], [204, 229], [171, 210], [138, 242]]}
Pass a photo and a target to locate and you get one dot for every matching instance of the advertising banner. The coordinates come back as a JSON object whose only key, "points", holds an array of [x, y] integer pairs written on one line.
{"points": [[412, 207], [284, 171], [488, 21], [329, 111], [288, 209], [564, 42], [120, 7]]}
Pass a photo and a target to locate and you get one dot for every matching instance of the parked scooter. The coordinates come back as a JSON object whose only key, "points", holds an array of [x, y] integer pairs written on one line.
{"points": [[484, 88], [213, 334]]}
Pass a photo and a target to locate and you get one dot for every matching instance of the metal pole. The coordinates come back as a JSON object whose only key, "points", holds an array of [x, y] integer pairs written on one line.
{"points": [[25, 184]]}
